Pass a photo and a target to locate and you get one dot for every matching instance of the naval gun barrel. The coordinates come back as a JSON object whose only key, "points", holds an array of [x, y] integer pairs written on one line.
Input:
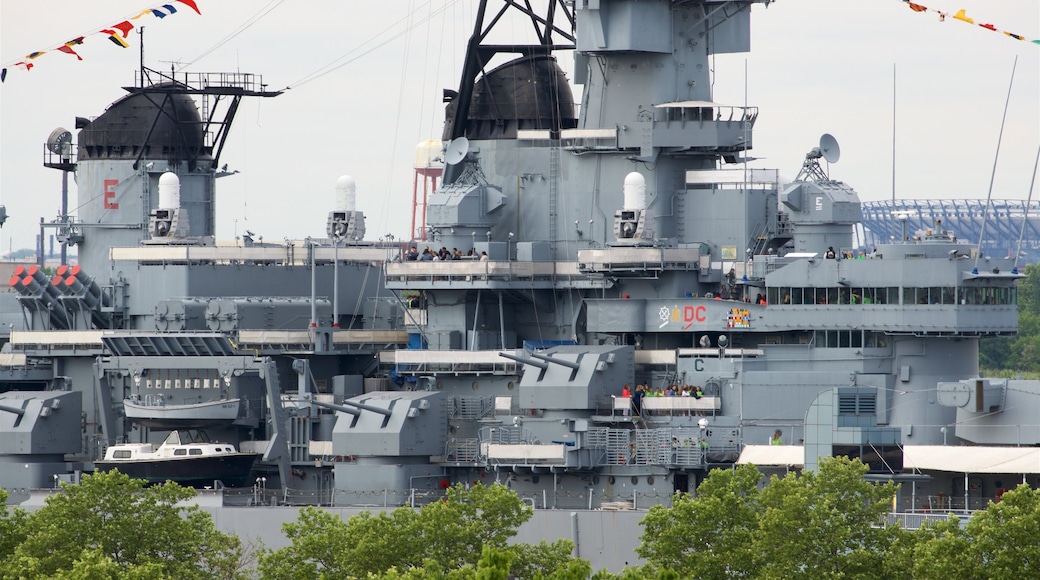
{"points": [[526, 361], [353, 412], [14, 410], [569, 364], [380, 410]]}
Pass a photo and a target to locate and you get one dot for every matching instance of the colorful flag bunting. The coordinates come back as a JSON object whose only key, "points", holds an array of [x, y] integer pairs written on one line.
{"points": [[191, 4], [68, 50], [118, 40], [962, 15], [117, 33], [125, 27]]}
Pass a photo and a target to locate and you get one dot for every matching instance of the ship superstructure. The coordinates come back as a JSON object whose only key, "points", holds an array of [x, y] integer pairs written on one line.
{"points": [[603, 303]]}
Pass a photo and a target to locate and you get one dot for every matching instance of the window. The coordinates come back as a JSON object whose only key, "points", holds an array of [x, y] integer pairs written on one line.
{"points": [[195, 451], [121, 454], [879, 458], [180, 451]]}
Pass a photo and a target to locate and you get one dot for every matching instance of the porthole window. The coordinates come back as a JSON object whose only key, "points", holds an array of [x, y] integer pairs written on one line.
{"points": [[511, 385], [476, 385], [635, 480], [610, 480], [650, 480]]}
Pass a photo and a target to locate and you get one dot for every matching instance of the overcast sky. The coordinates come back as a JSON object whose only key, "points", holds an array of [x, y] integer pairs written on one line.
{"points": [[816, 66]]}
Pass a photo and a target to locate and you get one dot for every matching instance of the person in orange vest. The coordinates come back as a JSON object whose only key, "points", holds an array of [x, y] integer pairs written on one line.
{"points": [[626, 393]]}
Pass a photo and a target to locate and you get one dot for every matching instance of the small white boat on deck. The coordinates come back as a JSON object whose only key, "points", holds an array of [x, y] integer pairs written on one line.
{"points": [[154, 412], [190, 464]]}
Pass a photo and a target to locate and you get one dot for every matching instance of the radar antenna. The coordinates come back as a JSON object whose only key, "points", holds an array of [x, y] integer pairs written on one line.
{"points": [[456, 150], [828, 150]]}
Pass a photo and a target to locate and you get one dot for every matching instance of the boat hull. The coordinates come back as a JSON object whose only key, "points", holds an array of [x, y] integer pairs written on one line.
{"points": [[232, 469], [194, 416]]}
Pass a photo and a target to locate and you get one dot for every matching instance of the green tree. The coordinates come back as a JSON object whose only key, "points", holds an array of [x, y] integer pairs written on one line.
{"points": [[12, 529], [999, 542], [941, 552], [825, 523], [710, 535], [1020, 353], [822, 524], [110, 519], [450, 535]]}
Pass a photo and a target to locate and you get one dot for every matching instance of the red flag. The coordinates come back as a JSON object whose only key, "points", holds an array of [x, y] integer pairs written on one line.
{"points": [[989, 27], [917, 7], [191, 4], [68, 50], [125, 27]]}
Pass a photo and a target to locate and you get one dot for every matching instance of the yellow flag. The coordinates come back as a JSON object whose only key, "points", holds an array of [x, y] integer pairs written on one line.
{"points": [[960, 15]]}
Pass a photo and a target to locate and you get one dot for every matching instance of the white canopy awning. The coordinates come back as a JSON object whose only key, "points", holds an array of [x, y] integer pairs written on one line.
{"points": [[773, 455], [972, 459], [956, 459]]}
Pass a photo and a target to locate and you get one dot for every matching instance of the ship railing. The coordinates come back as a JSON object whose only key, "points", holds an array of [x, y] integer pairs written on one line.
{"points": [[462, 450], [233, 82], [638, 260], [283, 255], [472, 408], [706, 405], [953, 504], [616, 444], [507, 435], [469, 271], [915, 520], [449, 361], [525, 454]]}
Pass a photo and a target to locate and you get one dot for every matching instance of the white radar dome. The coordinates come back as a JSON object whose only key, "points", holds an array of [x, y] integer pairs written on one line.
{"points": [[635, 191], [169, 191], [346, 194]]}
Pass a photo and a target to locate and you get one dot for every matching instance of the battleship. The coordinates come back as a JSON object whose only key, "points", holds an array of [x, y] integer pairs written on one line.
{"points": [[600, 303]]}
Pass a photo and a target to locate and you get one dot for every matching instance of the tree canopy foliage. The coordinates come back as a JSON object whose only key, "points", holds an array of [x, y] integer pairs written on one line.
{"points": [[814, 525], [823, 524], [449, 535], [1020, 353], [1000, 542], [112, 526]]}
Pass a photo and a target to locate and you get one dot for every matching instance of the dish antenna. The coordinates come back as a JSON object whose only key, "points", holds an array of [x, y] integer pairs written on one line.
{"points": [[59, 140], [829, 148], [456, 150]]}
